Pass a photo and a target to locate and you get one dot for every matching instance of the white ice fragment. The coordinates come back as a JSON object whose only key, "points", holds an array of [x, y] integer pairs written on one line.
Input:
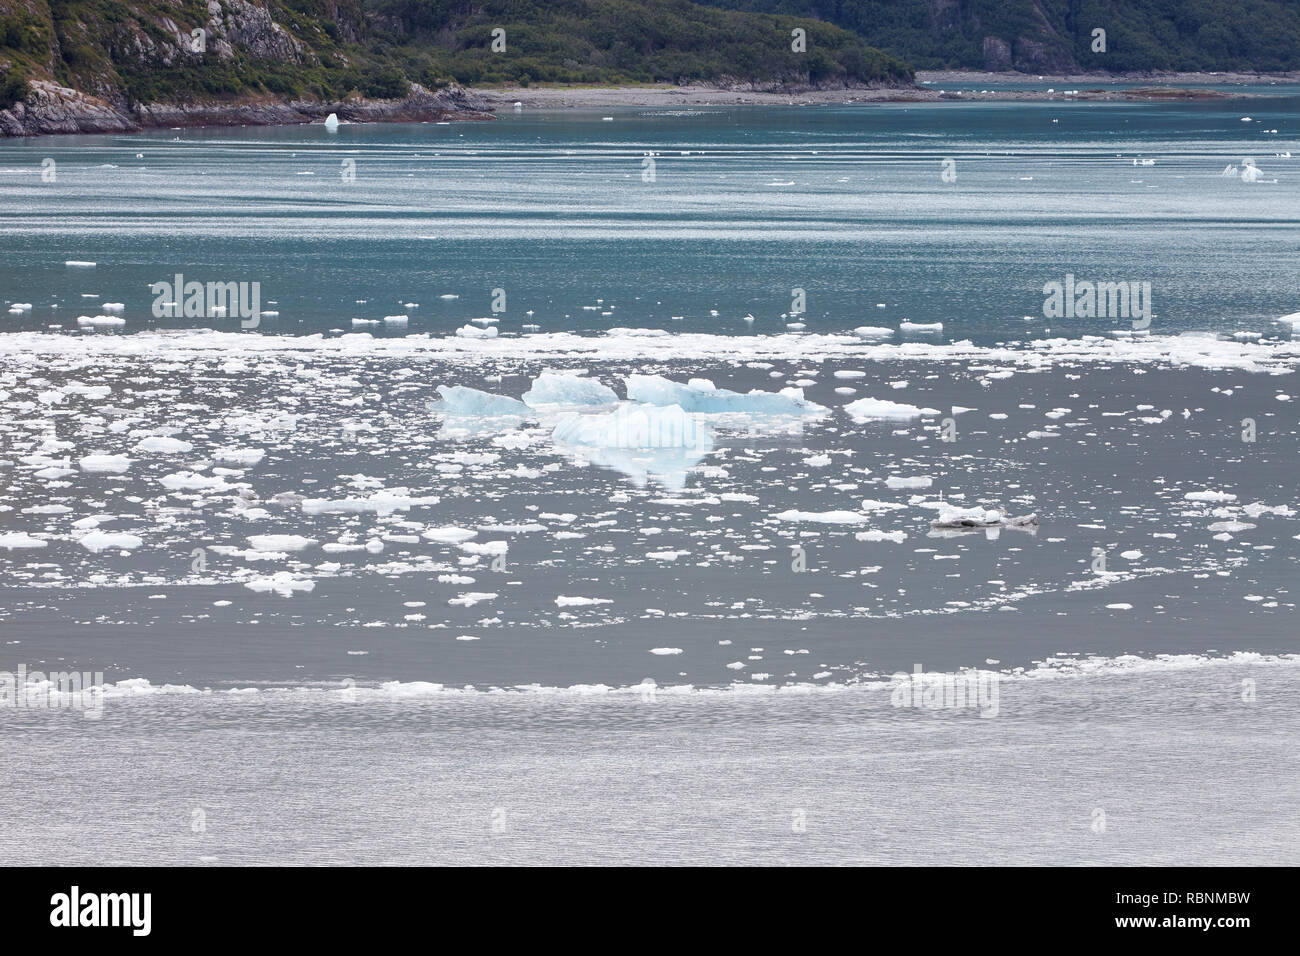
{"points": [[868, 409], [103, 540], [898, 537], [279, 542], [822, 517], [110, 464], [1209, 496], [919, 481], [161, 444], [471, 598], [450, 535], [474, 332], [283, 583], [239, 456], [192, 481]]}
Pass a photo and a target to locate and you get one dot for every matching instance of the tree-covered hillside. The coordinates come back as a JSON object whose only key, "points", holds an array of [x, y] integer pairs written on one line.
{"points": [[1057, 35], [146, 51], [607, 41]]}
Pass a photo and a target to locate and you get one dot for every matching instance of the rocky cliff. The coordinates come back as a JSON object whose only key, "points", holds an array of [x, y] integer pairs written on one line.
{"points": [[106, 66]]}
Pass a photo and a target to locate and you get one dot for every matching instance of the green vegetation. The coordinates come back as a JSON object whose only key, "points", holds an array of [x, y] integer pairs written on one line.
{"points": [[620, 41], [137, 51], [1141, 35], [374, 48], [13, 89]]}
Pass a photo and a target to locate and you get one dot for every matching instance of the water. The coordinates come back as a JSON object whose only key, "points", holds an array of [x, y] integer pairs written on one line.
{"points": [[1090, 770], [551, 207], [758, 587]]}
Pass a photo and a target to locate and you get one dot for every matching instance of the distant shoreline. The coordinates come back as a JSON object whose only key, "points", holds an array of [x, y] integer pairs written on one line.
{"points": [[929, 87], [1074, 79], [58, 110]]}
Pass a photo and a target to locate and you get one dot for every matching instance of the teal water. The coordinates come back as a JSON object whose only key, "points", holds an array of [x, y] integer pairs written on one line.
{"points": [[808, 538], [538, 647], [746, 204]]}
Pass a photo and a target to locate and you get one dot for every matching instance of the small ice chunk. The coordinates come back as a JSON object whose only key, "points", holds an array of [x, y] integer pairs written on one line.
{"points": [[822, 517], [103, 540], [110, 464], [239, 456], [192, 481], [869, 409], [283, 583], [280, 542], [161, 444], [919, 481], [898, 537], [474, 332], [449, 535], [1210, 496]]}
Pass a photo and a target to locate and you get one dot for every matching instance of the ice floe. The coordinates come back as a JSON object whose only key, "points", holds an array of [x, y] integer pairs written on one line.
{"points": [[283, 583], [161, 444], [110, 464], [954, 518], [280, 542], [104, 540], [868, 409], [568, 389], [1203, 351], [463, 400], [823, 517], [702, 396]]}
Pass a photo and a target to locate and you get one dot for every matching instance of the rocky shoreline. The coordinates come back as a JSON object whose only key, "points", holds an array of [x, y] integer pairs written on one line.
{"points": [[677, 97], [54, 109]]}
